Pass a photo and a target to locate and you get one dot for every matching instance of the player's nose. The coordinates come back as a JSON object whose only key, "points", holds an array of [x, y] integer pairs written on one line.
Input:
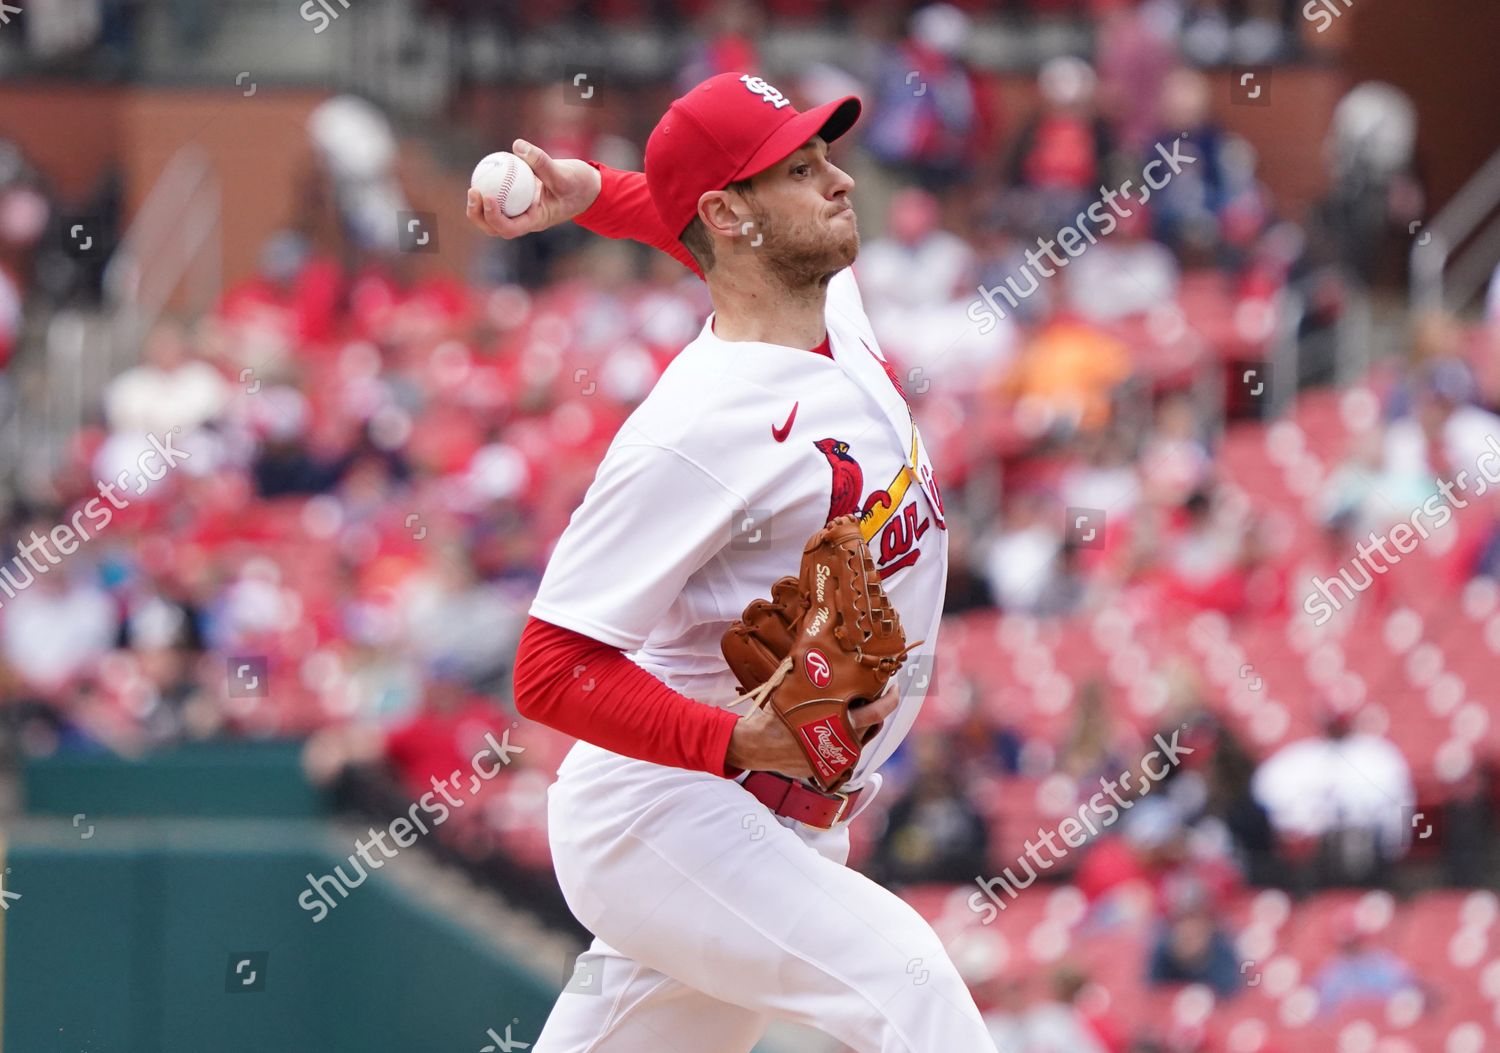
{"points": [[842, 184]]}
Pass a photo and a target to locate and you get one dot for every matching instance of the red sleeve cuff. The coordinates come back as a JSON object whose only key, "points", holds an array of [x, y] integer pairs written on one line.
{"points": [[624, 209]]}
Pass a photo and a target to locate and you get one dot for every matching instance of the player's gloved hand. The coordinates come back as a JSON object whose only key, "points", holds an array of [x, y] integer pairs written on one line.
{"points": [[761, 741], [818, 656], [568, 188]]}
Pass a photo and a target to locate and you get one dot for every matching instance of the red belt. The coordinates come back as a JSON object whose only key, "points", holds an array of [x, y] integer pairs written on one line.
{"points": [[790, 798]]}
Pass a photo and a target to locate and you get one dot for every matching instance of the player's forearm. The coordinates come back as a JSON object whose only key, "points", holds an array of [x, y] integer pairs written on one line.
{"points": [[624, 209], [590, 690]]}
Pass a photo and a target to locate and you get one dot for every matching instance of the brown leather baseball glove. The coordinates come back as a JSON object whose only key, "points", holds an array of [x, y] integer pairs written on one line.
{"points": [[824, 642]]}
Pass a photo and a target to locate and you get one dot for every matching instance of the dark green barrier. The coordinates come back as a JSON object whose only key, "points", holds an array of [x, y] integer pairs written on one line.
{"points": [[127, 943], [200, 779], [128, 931]]}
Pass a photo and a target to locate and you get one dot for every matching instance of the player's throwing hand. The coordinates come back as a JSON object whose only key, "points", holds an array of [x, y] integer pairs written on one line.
{"points": [[568, 188]]}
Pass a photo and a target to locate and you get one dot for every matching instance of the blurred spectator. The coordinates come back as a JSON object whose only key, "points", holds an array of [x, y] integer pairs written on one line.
{"points": [[1468, 826], [1229, 801], [443, 736], [1137, 49], [1370, 150], [373, 765], [57, 626], [1002, 998], [1442, 431], [917, 264], [1003, 268], [1193, 948], [1192, 212], [1207, 558], [1022, 558], [1379, 476], [1069, 588], [967, 588], [1153, 855], [1349, 791], [933, 832], [1205, 30], [1210, 36], [1360, 973], [726, 44], [1125, 274], [1061, 156], [1176, 461], [457, 621], [1104, 475], [980, 744], [284, 465], [24, 216], [292, 299], [928, 119], [171, 388], [1088, 752], [1065, 376], [356, 148], [1055, 1023]]}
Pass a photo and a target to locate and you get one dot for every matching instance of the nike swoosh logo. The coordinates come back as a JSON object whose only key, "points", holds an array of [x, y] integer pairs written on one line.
{"points": [[780, 434]]}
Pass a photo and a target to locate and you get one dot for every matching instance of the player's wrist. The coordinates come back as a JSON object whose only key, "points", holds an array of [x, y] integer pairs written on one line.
{"points": [[590, 181], [756, 743], [740, 753], [593, 183]]}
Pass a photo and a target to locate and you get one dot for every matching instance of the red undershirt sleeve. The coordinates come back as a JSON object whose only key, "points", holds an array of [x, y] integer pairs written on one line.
{"points": [[590, 690], [624, 209]]}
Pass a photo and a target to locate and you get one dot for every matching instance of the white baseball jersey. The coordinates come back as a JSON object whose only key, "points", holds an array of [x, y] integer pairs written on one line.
{"points": [[711, 916], [716, 481]]}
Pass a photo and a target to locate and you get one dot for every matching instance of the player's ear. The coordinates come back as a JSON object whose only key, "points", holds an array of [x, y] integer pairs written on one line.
{"points": [[717, 210]]}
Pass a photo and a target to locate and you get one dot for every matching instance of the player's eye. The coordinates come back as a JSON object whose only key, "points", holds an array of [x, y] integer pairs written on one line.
{"points": [[802, 170]]}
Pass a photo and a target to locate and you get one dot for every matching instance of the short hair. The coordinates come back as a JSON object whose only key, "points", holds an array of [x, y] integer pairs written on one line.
{"points": [[695, 237]]}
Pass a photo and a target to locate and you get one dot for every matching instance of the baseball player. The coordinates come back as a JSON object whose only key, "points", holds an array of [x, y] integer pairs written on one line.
{"points": [[685, 831]]}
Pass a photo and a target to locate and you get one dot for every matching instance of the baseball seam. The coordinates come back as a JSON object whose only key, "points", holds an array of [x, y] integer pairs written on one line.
{"points": [[509, 181]]}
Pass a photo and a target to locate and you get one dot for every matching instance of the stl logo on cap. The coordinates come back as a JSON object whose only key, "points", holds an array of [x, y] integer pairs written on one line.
{"points": [[767, 93]]}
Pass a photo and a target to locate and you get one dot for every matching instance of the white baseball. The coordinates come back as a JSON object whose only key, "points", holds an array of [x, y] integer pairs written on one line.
{"points": [[506, 181]]}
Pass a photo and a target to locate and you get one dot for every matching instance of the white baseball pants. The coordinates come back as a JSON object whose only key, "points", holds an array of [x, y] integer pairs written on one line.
{"points": [[713, 915]]}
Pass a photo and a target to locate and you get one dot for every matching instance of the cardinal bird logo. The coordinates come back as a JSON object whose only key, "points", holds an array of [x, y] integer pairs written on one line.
{"points": [[848, 479]]}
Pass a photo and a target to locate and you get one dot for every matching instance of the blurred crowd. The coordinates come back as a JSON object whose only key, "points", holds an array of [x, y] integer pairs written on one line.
{"points": [[376, 461], [106, 38]]}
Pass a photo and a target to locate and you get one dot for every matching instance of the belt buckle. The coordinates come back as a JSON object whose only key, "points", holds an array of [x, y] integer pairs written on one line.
{"points": [[843, 807]]}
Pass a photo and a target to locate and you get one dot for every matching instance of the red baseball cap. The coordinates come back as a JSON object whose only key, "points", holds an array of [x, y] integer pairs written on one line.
{"points": [[729, 127]]}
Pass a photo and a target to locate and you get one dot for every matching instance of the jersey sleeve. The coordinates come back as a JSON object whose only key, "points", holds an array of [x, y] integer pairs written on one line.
{"points": [[624, 209], [618, 705], [649, 520]]}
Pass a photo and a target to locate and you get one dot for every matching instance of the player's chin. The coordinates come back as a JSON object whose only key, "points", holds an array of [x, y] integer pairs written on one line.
{"points": [[845, 243]]}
